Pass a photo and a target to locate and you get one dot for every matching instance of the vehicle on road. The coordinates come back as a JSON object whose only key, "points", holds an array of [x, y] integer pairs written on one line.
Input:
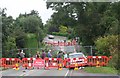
{"points": [[50, 36], [75, 58]]}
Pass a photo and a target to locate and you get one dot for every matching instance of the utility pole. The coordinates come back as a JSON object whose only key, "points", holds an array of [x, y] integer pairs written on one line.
{"points": [[91, 50]]}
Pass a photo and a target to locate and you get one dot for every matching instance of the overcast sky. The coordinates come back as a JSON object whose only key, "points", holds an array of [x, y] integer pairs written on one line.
{"points": [[15, 7]]}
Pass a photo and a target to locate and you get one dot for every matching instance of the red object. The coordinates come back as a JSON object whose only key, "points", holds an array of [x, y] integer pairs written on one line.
{"points": [[39, 63]]}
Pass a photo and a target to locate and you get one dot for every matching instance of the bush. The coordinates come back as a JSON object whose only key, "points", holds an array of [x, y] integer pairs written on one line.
{"points": [[59, 34], [108, 45]]}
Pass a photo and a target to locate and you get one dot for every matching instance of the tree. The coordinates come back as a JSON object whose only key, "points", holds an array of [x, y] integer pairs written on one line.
{"points": [[8, 41], [89, 20], [108, 45]]}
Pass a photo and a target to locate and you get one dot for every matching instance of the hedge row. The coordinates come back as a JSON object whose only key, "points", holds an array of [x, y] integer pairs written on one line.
{"points": [[59, 34]]}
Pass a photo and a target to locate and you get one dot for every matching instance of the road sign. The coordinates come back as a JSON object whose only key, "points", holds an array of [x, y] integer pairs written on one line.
{"points": [[39, 63]]}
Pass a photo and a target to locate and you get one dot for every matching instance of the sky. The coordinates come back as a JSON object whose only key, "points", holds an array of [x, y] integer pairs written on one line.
{"points": [[15, 7]]}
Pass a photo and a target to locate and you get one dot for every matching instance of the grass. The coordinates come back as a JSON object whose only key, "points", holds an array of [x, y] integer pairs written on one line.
{"points": [[1, 68], [102, 70]]}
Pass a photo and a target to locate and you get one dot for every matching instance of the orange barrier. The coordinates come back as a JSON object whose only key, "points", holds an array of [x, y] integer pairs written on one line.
{"points": [[92, 60], [62, 43], [27, 63], [52, 63], [48, 63], [9, 62], [71, 62]]}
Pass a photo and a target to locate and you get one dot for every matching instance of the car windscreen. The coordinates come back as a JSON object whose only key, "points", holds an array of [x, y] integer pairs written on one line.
{"points": [[76, 56]]}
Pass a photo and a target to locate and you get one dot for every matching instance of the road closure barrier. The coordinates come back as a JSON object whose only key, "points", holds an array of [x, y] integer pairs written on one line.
{"points": [[97, 60], [58, 63], [62, 43], [53, 63], [9, 62], [39, 63], [75, 62], [27, 63]]}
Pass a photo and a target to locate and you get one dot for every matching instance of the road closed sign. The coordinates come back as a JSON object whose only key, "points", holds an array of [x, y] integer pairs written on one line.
{"points": [[39, 63]]}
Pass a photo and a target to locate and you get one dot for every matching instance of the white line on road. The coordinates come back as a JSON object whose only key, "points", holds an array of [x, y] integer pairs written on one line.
{"points": [[67, 73]]}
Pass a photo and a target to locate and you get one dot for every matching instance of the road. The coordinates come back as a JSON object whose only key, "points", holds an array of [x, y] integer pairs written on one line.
{"points": [[53, 72], [62, 48]]}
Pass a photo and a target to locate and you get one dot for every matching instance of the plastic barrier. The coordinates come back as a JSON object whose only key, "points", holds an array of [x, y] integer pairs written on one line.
{"points": [[53, 63], [97, 60], [9, 62], [39, 63], [62, 43], [72, 62], [27, 63]]}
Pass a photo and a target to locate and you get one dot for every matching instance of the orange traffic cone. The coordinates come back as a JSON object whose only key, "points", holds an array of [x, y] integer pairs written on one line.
{"points": [[16, 67], [60, 67], [98, 64], [76, 66]]}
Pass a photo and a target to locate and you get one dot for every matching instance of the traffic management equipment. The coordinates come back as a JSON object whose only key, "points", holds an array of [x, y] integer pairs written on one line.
{"points": [[62, 43], [60, 66], [52, 63], [76, 62], [95, 60], [98, 64], [47, 63], [76, 66], [39, 63], [9, 62], [16, 67], [27, 63]]}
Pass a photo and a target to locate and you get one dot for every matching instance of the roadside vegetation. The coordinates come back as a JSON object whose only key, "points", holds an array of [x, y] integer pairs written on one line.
{"points": [[101, 70]]}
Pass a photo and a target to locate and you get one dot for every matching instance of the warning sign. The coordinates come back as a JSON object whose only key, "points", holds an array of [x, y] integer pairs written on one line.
{"points": [[39, 63]]}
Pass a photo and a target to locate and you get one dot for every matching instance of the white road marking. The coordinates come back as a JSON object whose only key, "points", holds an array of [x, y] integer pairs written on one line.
{"points": [[67, 73], [22, 74]]}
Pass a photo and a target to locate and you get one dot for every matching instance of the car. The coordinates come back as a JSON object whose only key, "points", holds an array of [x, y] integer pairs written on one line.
{"points": [[76, 58], [77, 55], [50, 36]]}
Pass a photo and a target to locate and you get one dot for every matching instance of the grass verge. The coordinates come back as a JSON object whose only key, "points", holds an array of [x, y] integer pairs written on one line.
{"points": [[102, 70]]}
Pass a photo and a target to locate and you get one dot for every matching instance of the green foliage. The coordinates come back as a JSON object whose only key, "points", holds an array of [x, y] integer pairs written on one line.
{"points": [[31, 38], [89, 20], [108, 45], [62, 29], [59, 34], [15, 32]]}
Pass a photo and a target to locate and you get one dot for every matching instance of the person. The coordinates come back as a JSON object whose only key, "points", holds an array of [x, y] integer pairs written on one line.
{"points": [[30, 54], [22, 54], [43, 54], [65, 55], [49, 54], [37, 54], [59, 54]]}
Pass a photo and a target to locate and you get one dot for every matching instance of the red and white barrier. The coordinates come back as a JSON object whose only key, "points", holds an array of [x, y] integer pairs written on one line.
{"points": [[52, 62]]}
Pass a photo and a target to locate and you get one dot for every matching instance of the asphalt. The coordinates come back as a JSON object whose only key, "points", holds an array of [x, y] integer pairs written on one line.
{"points": [[53, 72]]}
